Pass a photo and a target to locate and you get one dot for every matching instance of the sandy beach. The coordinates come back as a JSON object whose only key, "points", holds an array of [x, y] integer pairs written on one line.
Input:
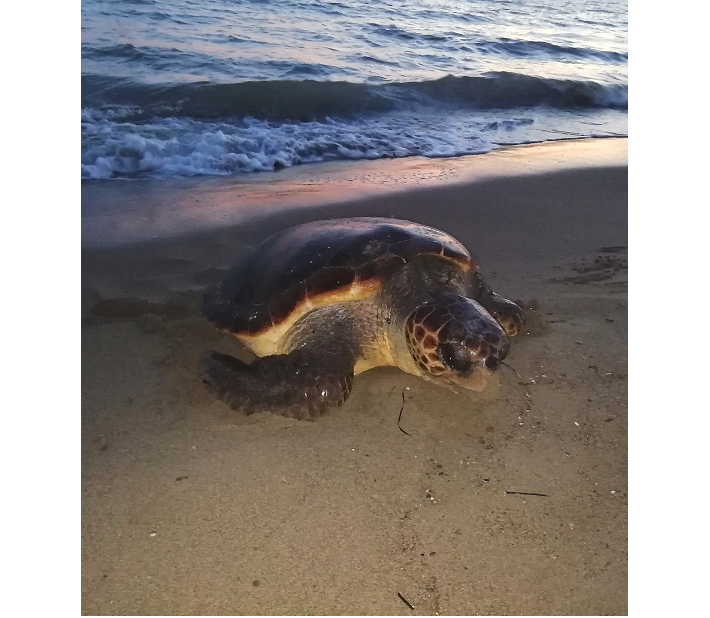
{"points": [[513, 501]]}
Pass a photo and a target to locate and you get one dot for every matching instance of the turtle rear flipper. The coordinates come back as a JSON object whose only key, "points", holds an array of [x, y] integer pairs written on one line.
{"points": [[298, 385]]}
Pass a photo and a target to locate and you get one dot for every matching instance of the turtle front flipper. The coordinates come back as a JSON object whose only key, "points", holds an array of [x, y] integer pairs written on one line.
{"points": [[297, 385], [508, 314]]}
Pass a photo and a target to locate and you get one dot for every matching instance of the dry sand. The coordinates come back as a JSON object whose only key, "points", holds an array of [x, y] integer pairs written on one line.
{"points": [[190, 508]]}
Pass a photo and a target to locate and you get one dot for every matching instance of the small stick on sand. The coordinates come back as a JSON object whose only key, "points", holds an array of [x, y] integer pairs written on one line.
{"points": [[525, 493], [402, 430], [407, 603]]}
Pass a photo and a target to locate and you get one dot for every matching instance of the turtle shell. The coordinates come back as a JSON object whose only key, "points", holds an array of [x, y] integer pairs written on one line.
{"points": [[317, 264]]}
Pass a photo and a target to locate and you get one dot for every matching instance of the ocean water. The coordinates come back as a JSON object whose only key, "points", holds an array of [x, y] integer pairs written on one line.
{"points": [[229, 87]]}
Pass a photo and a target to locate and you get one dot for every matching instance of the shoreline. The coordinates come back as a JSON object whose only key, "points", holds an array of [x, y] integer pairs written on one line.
{"points": [[511, 502], [119, 212]]}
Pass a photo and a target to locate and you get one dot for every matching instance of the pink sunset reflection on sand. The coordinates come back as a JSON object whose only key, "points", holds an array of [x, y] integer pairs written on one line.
{"points": [[159, 208]]}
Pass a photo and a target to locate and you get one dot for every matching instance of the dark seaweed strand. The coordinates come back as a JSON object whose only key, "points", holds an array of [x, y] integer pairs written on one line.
{"points": [[407, 603], [400, 418]]}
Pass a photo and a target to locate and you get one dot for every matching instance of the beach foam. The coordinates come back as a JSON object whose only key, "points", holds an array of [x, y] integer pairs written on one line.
{"points": [[219, 90], [180, 146]]}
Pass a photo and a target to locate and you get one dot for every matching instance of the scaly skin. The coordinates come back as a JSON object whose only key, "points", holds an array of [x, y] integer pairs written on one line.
{"points": [[430, 318], [506, 312], [295, 385], [438, 331]]}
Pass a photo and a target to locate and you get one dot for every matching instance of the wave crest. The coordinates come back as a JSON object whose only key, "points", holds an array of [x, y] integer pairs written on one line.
{"points": [[304, 100]]}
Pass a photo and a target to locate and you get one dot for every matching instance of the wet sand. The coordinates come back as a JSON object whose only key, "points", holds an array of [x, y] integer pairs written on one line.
{"points": [[191, 508]]}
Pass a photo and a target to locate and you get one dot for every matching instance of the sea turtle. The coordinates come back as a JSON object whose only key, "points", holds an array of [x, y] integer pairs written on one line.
{"points": [[326, 300]]}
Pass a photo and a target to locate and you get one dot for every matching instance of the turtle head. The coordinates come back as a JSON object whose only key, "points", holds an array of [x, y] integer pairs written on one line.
{"points": [[456, 341]]}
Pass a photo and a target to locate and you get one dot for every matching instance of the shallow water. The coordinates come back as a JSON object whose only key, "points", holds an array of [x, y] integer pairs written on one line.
{"points": [[221, 87]]}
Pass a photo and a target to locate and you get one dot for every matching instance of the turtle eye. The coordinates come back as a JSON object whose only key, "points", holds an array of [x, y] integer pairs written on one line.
{"points": [[491, 362], [455, 356]]}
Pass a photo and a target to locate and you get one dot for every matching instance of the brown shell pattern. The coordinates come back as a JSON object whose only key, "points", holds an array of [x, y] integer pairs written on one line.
{"points": [[332, 261]]}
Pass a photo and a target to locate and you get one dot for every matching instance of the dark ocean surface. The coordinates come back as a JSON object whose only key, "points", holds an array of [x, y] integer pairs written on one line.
{"points": [[222, 87]]}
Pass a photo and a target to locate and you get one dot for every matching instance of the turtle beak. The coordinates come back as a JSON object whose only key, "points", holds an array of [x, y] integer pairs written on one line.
{"points": [[476, 379]]}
